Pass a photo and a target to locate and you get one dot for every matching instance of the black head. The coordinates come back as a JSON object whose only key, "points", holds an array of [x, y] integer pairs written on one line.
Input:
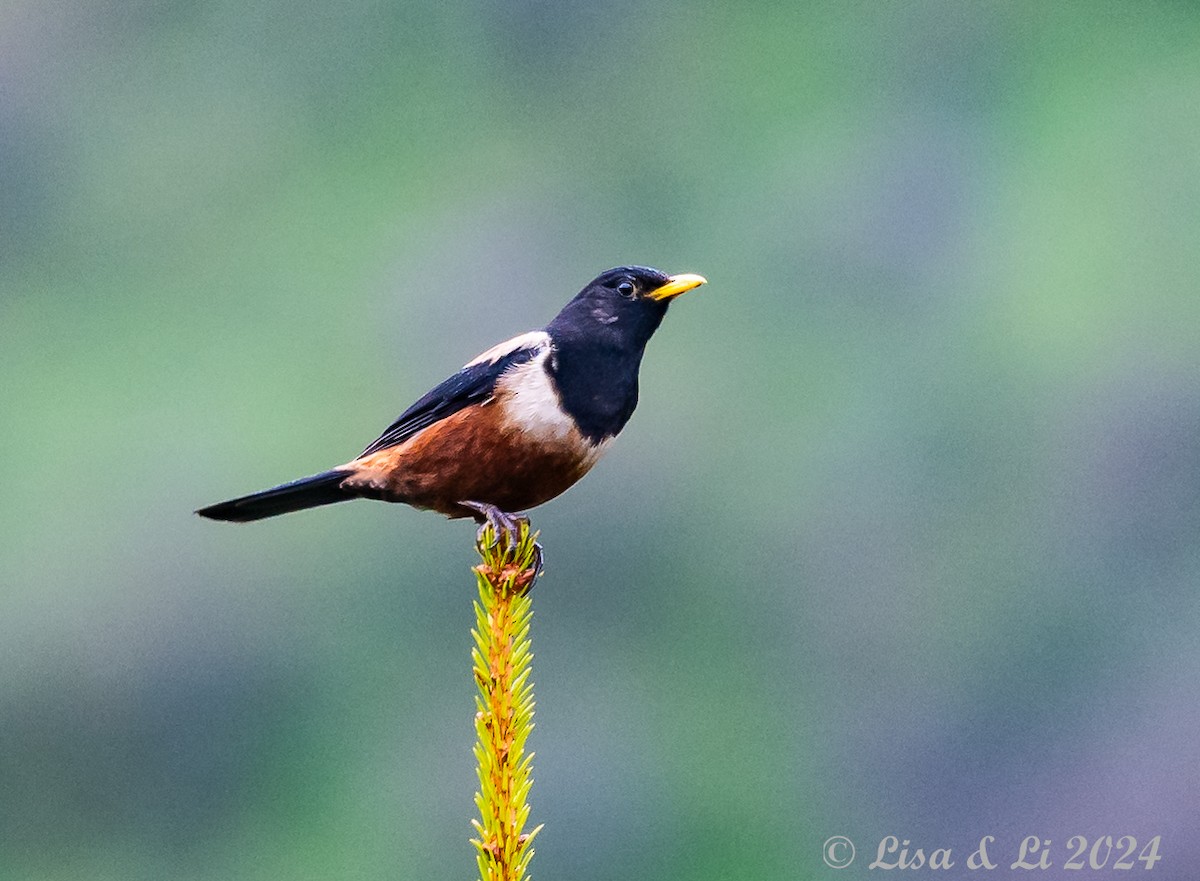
{"points": [[622, 306], [599, 338], [641, 283]]}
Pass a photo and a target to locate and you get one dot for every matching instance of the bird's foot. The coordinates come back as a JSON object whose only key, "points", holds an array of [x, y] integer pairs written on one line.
{"points": [[505, 526], [506, 529]]}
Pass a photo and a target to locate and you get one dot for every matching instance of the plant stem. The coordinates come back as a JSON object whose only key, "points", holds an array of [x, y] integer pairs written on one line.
{"points": [[504, 705]]}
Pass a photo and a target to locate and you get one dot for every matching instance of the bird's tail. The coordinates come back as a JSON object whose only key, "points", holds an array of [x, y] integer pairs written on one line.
{"points": [[307, 492]]}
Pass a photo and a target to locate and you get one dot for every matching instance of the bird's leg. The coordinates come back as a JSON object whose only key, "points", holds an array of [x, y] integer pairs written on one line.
{"points": [[503, 524]]}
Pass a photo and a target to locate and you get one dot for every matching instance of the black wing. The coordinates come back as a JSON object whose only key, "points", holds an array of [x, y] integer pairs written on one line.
{"points": [[471, 385]]}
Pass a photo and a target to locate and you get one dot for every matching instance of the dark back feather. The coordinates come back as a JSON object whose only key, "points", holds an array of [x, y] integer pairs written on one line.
{"points": [[473, 384]]}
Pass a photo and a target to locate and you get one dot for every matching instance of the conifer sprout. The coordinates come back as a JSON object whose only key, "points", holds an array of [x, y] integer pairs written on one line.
{"points": [[502, 657]]}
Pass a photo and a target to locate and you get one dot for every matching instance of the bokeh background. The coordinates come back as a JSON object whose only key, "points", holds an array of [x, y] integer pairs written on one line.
{"points": [[903, 539]]}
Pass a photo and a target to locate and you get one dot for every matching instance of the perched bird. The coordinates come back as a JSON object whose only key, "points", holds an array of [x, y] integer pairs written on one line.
{"points": [[513, 428]]}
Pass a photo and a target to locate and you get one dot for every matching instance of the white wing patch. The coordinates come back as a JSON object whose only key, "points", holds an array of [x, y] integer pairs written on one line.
{"points": [[532, 340]]}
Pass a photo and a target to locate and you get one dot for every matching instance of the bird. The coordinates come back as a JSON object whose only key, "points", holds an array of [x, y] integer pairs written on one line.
{"points": [[515, 427]]}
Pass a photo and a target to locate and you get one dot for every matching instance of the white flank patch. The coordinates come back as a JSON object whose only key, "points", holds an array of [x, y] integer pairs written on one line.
{"points": [[531, 340], [531, 401]]}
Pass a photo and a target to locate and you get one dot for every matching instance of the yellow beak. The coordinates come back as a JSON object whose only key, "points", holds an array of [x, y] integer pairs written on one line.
{"points": [[676, 285]]}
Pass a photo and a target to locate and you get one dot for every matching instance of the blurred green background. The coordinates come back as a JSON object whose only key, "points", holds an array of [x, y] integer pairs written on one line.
{"points": [[903, 539]]}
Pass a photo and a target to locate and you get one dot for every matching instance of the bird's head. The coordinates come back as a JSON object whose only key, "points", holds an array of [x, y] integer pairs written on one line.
{"points": [[626, 302], [640, 284]]}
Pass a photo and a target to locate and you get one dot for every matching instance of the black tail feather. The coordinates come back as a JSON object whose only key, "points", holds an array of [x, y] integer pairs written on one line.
{"points": [[307, 492]]}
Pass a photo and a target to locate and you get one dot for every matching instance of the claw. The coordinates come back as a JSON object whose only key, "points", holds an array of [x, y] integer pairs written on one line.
{"points": [[502, 523]]}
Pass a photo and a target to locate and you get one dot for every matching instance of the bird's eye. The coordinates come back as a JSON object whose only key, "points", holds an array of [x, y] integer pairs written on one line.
{"points": [[626, 288]]}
